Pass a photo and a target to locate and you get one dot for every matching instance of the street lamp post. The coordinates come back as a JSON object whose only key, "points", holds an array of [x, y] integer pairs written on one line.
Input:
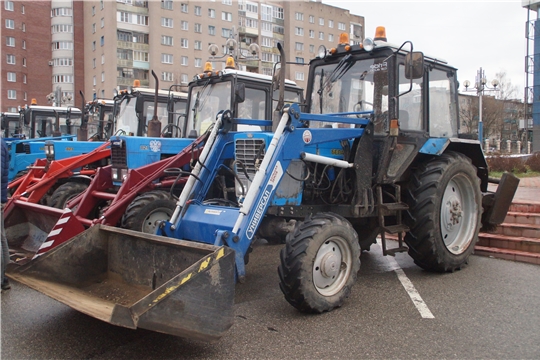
{"points": [[480, 86], [233, 48]]}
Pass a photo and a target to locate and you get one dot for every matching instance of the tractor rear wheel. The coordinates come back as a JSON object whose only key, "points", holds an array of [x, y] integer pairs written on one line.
{"points": [[319, 263], [445, 213], [147, 210], [66, 192]]}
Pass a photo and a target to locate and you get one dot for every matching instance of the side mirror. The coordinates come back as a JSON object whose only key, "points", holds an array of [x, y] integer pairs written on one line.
{"points": [[139, 106], [240, 93], [27, 117], [414, 65]]}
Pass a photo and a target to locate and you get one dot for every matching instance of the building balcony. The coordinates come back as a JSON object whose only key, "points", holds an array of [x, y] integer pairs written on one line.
{"points": [[124, 44], [279, 22], [124, 63], [134, 9], [120, 81]]}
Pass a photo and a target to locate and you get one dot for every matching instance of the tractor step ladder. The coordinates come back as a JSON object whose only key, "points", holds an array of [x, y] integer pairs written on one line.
{"points": [[391, 209]]}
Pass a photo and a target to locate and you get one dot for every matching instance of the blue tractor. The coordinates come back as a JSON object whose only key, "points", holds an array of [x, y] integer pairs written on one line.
{"points": [[374, 149], [36, 125]]}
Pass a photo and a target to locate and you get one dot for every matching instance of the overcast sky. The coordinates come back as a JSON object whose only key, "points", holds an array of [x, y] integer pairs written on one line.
{"points": [[467, 34]]}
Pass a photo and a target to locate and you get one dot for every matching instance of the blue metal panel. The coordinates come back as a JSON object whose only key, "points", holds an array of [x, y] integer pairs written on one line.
{"points": [[434, 146]]}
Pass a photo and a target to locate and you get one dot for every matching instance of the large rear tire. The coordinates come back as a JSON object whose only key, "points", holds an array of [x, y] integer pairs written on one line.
{"points": [[445, 213], [319, 263], [147, 210], [66, 192]]}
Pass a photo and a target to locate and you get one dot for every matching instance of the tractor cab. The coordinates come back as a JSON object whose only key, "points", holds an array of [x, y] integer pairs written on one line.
{"points": [[411, 99], [135, 109], [100, 118], [245, 94], [47, 121], [11, 125]]}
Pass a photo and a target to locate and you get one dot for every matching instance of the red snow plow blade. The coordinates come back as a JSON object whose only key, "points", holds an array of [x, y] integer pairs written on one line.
{"points": [[138, 280]]}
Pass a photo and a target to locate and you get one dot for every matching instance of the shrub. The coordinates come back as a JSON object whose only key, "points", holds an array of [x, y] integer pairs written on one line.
{"points": [[533, 162], [506, 163]]}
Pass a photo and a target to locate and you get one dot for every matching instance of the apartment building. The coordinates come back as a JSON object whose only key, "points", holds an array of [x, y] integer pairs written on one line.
{"points": [[41, 54], [98, 46], [128, 39]]}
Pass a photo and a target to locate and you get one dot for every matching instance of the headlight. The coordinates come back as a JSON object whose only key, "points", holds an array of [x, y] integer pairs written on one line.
{"points": [[114, 173], [49, 150], [321, 52], [367, 44], [123, 174]]}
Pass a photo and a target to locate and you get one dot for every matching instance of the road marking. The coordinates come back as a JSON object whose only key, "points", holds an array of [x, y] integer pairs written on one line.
{"points": [[409, 287]]}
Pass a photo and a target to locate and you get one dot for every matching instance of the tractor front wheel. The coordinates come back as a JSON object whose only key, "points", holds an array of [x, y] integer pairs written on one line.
{"points": [[319, 263], [144, 213], [66, 192], [445, 205]]}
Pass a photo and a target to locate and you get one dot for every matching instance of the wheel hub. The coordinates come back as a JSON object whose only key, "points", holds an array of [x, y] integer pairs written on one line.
{"points": [[330, 265]]}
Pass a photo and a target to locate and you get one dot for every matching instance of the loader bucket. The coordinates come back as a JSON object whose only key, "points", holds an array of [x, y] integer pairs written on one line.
{"points": [[139, 280], [27, 227]]}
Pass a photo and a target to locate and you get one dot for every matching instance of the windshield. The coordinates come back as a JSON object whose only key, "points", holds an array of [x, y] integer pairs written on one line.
{"points": [[99, 120], [45, 124], [126, 123], [352, 85], [206, 101]]}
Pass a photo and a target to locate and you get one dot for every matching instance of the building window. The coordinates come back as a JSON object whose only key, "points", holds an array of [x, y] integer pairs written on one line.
{"points": [[278, 13], [93, 28], [102, 76], [93, 63], [23, 61], [166, 40], [198, 10], [226, 16], [94, 81], [11, 77], [211, 30], [312, 34], [331, 37], [211, 13], [10, 24], [321, 35], [10, 41], [167, 22], [62, 45], [266, 41], [184, 7], [184, 79], [299, 31], [341, 26], [142, 56], [226, 33], [61, 12], [252, 23], [102, 59], [93, 45], [63, 79], [300, 60], [12, 94], [166, 4], [167, 76], [299, 46], [266, 26], [321, 21], [93, 10], [24, 78], [198, 45], [198, 62], [185, 25], [198, 28], [10, 59], [330, 23], [63, 28], [299, 16], [166, 58], [311, 19], [266, 12], [22, 9], [299, 76], [65, 62], [184, 43], [23, 27], [102, 40], [312, 48], [102, 23], [226, 2], [184, 60], [9, 5]]}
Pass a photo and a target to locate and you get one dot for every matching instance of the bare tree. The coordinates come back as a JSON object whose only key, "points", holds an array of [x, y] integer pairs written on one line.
{"points": [[506, 89]]}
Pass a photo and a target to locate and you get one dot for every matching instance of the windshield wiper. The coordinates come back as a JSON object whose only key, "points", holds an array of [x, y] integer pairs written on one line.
{"points": [[341, 69]]}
